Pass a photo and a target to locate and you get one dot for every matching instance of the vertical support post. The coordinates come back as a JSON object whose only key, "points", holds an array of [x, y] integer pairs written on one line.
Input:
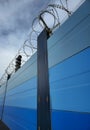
{"points": [[43, 93], [8, 77]]}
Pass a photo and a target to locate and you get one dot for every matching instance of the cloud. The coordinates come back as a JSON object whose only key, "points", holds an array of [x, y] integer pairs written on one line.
{"points": [[15, 21], [6, 55], [18, 15]]}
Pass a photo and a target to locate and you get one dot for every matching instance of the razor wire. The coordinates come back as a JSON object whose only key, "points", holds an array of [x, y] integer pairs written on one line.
{"points": [[29, 46]]}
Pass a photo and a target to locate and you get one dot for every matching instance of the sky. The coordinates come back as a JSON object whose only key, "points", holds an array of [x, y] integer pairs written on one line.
{"points": [[16, 18], [15, 21]]}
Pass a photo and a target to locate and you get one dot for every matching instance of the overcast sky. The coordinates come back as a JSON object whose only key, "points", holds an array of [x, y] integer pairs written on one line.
{"points": [[15, 21]]}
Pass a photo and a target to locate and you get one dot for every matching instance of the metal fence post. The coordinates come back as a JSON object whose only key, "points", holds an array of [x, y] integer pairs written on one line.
{"points": [[43, 92]]}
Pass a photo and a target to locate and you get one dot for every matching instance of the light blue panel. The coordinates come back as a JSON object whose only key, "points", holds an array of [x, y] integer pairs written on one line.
{"points": [[71, 23], [24, 86], [70, 83], [24, 95], [69, 46], [25, 100], [74, 38], [28, 71], [2, 90]]}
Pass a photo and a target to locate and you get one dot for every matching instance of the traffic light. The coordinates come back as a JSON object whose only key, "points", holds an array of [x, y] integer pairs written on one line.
{"points": [[8, 76], [18, 62]]}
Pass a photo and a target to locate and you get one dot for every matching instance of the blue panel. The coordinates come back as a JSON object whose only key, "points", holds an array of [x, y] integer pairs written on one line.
{"points": [[70, 83], [29, 84], [23, 95], [77, 64], [65, 120], [0, 111], [20, 118]]}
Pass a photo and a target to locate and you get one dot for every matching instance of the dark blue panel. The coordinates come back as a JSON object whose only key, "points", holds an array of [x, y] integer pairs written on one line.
{"points": [[65, 120], [20, 118]]}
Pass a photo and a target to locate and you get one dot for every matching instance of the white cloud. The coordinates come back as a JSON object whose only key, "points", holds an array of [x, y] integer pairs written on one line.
{"points": [[15, 21], [6, 55]]}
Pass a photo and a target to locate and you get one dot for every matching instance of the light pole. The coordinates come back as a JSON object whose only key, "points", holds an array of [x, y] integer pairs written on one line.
{"points": [[8, 77]]}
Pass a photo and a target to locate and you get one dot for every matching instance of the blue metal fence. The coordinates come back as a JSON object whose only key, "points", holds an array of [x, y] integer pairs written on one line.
{"points": [[69, 79]]}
